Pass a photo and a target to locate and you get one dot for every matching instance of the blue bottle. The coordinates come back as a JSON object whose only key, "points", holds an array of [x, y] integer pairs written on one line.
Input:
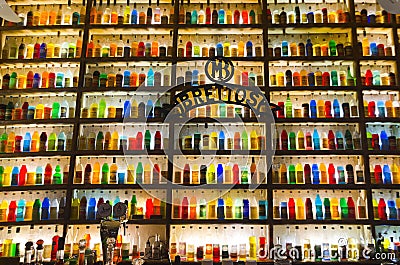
{"points": [[195, 77], [60, 80], [315, 173], [220, 49], [20, 210], [246, 209], [336, 108], [127, 109], [318, 207], [392, 210], [262, 209], [14, 176], [316, 140], [220, 174], [221, 140], [285, 48], [149, 109], [284, 210], [150, 77], [193, 19], [374, 49], [61, 141], [376, 78], [220, 209], [387, 175], [313, 108], [36, 80], [27, 142], [91, 214], [221, 16], [339, 140], [121, 177], [311, 79], [43, 50], [127, 78], [249, 49], [342, 178], [309, 48], [134, 16], [31, 113], [384, 141], [45, 209], [381, 108]]}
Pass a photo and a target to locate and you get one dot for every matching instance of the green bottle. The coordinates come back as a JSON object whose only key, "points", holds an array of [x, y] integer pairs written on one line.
{"points": [[55, 112], [3, 142], [105, 173], [133, 205], [36, 210], [102, 108], [1, 175], [350, 79], [99, 141], [57, 177], [103, 79], [211, 174], [332, 47], [369, 140], [245, 140], [327, 207], [292, 141], [292, 174], [288, 107], [244, 178], [13, 80], [51, 143], [344, 209], [139, 173], [348, 140], [147, 139], [75, 209]]}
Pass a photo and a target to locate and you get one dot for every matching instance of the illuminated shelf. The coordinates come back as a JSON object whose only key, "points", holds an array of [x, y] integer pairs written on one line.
{"points": [[386, 186], [36, 154], [220, 120], [322, 222], [220, 152], [119, 152], [219, 26], [216, 221], [131, 26], [41, 91], [310, 88], [217, 186], [383, 119], [311, 58], [40, 60], [98, 121], [376, 25], [380, 58], [249, 59], [48, 187], [94, 60], [130, 221], [126, 89], [38, 28], [319, 186], [384, 152], [39, 223], [312, 27], [317, 152], [118, 186], [41, 121], [316, 120]]}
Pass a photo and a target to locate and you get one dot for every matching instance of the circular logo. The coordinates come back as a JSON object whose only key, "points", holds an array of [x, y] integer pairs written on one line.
{"points": [[104, 210], [219, 69]]}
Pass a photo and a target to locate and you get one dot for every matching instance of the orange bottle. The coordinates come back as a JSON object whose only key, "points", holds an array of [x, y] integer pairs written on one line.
{"points": [[35, 142]]}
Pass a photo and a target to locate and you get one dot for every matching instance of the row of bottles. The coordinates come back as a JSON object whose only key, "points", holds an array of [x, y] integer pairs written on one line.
{"points": [[333, 77], [222, 173], [141, 173], [381, 108], [86, 208], [49, 15], [21, 210], [45, 48], [131, 109], [113, 141], [377, 77], [29, 176], [386, 209], [317, 109], [37, 78], [383, 140], [318, 140], [385, 174], [221, 110], [12, 143], [221, 209], [223, 141], [317, 174], [373, 48], [326, 209], [15, 112]]}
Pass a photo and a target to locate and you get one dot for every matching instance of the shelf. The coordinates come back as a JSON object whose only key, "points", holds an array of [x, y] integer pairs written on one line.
{"points": [[36, 154], [41, 121], [386, 222], [39, 28], [98, 121], [38, 223], [311, 58], [217, 186], [41, 91], [271, 262], [386, 186], [321, 222], [142, 88], [130, 26], [317, 152], [391, 88], [94, 60], [319, 186], [41, 60], [308, 88], [247, 59], [220, 26], [317, 120], [378, 119], [216, 221], [375, 25], [384, 152], [220, 152], [378, 58], [34, 188], [219, 120], [131, 221], [118, 186], [119, 152]]}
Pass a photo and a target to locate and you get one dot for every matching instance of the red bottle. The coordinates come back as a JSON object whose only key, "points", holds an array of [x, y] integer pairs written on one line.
{"points": [[245, 16], [36, 51], [236, 174], [188, 52], [216, 253], [54, 248], [156, 174], [25, 107], [139, 141], [48, 171], [208, 15], [375, 141], [281, 112], [141, 49], [29, 79], [371, 109], [351, 208], [185, 208], [382, 209], [368, 78], [186, 174], [331, 173], [245, 78], [157, 140], [149, 208], [326, 79], [328, 109], [236, 17], [22, 176], [132, 143], [12, 212], [292, 209], [284, 140], [52, 80], [309, 211], [307, 174], [331, 140], [378, 174]]}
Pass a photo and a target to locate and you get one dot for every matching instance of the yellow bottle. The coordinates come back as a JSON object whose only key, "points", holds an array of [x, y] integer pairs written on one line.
{"points": [[300, 140], [134, 49], [10, 143], [253, 248], [303, 78], [50, 49], [213, 141], [35, 142], [321, 108], [332, 17], [318, 77], [228, 208], [241, 48], [147, 174], [112, 112], [28, 211], [254, 140], [389, 108], [3, 211], [21, 81], [335, 209], [96, 173], [211, 209], [107, 141], [134, 109], [7, 176], [93, 111], [283, 174], [115, 141], [300, 209], [195, 174], [36, 17], [299, 174], [113, 174], [280, 79], [365, 46], [395, 173], [130, 179], [293, 49], [375, 207], [39, 112], [324, 175], [30, 179]]}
